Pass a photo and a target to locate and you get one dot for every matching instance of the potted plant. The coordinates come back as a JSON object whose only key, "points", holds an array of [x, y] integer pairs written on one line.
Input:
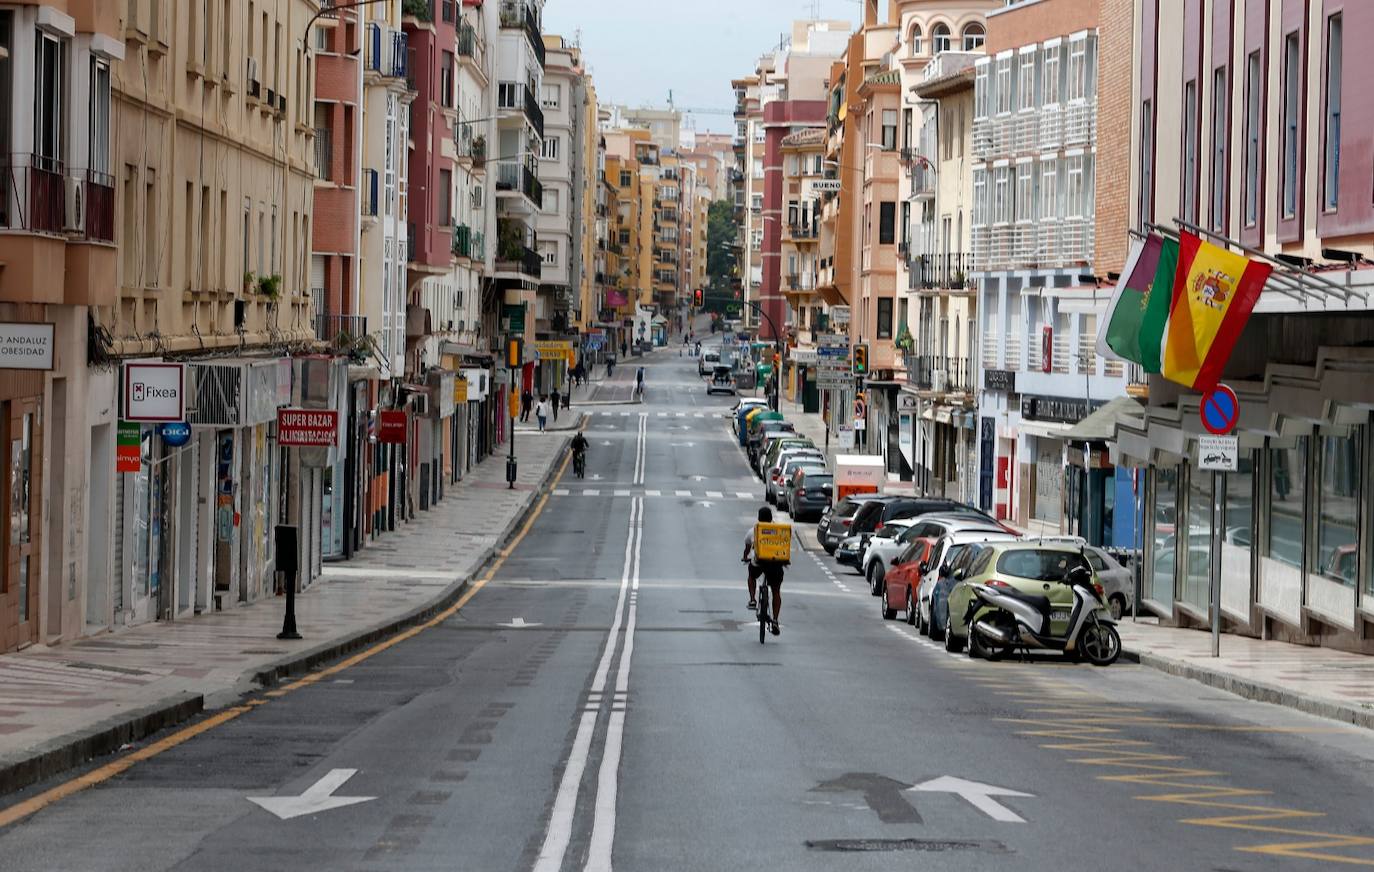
{"points": [[250, 282], [479, 150], [270, 286], [904, 340]]}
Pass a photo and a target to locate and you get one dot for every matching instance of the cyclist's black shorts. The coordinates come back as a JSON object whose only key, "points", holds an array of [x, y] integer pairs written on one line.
{"points": [[771, 572]]}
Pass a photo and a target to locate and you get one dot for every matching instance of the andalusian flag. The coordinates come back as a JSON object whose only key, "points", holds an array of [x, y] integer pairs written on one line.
{"points": [[1214, 293], [1139, 308]]}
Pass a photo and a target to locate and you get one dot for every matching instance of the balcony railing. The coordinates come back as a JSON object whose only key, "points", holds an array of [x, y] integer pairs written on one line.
{"points": [[478, 247], [35, 194], [370, 191], [470, 45], [510, 96], [942, 271], [990, 350], [387, 53], [324, 152], [939, 373], [803, 231], [922, 181], [100, 206], [462, 241], [521, 259], [329, 327], [516, 14], [518, 177]]}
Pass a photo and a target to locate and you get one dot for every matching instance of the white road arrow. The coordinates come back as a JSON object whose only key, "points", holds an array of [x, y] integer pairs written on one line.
{"points": [[318, 797], [519, 624], [682, 444], [978, 795]]}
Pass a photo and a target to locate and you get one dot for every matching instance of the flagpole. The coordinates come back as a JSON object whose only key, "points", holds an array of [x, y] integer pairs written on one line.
{"points": [[1336, 289], [1284, 285]]}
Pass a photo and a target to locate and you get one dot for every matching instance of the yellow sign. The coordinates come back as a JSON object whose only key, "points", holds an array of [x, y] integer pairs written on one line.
{"points": [[773, 542], [555, 349], [460, 391], [514, 405]]}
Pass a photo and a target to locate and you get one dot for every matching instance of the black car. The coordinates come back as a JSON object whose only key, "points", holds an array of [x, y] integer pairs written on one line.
{"points": [[879, 510]]}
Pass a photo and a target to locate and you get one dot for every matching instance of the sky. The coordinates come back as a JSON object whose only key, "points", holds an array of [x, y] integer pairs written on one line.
{"points": [[639, 51]]}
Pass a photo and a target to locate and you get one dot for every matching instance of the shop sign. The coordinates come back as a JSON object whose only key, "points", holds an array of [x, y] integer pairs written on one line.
{"points": [[1000, 380], [804, 355], [460, 390], [26, 346], [129, 447], [1218, 453], [824, 186], [1062, 410], [555, 349], [175, 433], [839, 315], [392, 427], [907, 402], [307, 428], [615, 299], [477, 382], [1097, 458], [153, 392]]}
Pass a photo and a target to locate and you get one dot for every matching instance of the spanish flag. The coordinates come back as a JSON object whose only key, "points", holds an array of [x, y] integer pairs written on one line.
{"points": [[1214, 292]]}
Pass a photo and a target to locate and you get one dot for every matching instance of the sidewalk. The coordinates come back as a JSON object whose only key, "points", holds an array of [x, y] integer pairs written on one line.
{"points": [[1319, 681], [64, 705]]}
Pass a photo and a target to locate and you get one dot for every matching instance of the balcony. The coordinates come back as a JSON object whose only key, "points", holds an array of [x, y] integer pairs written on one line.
{"points": [[333, 328], [100, 206], [35, 196], [799, 232], [462, 241], [324, 152], [386, 54], [922, 182], [478, 248], [518, 177], [467, 146], [471, 47], [370, 191], [1026, 132], [941, 271], [517, 96], [939, 373], [1080, 123], [520, 259], [517, 15]]}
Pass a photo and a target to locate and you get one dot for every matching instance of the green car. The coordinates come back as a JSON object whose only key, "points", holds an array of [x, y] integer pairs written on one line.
{"points": [[1029, 565]]}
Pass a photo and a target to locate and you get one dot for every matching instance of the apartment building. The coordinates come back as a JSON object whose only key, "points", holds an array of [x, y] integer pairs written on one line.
{"points": [[559, 223], [803, 162], [668, 224], [1241, 127], [749, 148], [590, 265], [1034, 204]]}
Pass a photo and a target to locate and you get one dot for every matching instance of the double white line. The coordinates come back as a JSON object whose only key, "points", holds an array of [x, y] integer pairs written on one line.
{"points": [[560, 829]]}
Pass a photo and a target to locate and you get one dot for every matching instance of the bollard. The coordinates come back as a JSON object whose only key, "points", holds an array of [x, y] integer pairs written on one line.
{"points": [[286, 563]]}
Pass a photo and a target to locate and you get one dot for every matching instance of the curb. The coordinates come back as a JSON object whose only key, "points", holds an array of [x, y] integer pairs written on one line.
{"points": [[1258, 691], [62, 753]]}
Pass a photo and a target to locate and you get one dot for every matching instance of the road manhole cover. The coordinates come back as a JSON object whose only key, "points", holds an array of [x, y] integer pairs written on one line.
{"points": [[929, 845]]}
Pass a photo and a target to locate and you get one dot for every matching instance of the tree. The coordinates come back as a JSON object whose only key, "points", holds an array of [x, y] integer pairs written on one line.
{"points": [[722, 265]]}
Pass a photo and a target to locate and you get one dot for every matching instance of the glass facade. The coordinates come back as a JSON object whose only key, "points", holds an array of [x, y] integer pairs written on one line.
{"points": [[1287, 487], [1197, 564], [1161, 588], [1338, 505]]}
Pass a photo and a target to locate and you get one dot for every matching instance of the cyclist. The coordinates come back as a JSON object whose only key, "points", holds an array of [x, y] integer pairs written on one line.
{"points": [[639, 382], [579, 451], [771, 571]]}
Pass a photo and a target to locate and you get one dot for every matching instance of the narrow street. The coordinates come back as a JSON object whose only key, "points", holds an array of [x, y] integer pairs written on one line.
{"points": [[603, 701]]}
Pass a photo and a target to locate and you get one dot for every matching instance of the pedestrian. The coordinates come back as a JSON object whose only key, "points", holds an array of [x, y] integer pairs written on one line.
{"points": [[610, 366], [567, 400], [624, 349], [541, 411], [557, 401], [526, 404]]}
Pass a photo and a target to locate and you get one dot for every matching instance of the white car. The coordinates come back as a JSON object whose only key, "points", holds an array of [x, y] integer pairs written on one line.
{"points": [[886, 544], [877, 560], [774, 487], [938, 556]]}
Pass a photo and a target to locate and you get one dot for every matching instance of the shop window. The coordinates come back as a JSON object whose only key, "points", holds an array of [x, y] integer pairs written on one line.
{"points": [[1238, 524], [1287, 486], [1338, 506], [1197, 566], [1165, 524]]}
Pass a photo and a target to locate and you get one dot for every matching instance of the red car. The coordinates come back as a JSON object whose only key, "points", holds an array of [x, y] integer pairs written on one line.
{"points": [[903, 579]]}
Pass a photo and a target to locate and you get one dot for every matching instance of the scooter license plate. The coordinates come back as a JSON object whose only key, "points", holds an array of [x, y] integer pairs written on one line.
{"points": [[1059, 616]]}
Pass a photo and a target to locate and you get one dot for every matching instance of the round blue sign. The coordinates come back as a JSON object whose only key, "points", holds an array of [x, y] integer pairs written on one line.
{"points": [[176, 434], [1220, 410]]}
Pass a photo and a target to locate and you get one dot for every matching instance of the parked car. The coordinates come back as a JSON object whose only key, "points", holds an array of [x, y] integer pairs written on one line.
{"points": [[834, 523], [896, 506], [782, 468], [904, 578], [709, 358], [722, 380], [761, 441], [850, 552], [771, 447], [1035, 569], [932, 526], [808, 493], [932, 592], [866, 521]]}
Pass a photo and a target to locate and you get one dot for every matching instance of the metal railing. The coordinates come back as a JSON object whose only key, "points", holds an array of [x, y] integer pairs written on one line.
{"points": [[100, 206], [510, 97], [330, 327], [386, 53], [371, 188], [35, 194], [517, 14], [990, 350], [523, 260], [462, 241], [803, 231], [940, 373], [518, 177], [922, 181], [470, 45], [324, 152], [948, 271]]}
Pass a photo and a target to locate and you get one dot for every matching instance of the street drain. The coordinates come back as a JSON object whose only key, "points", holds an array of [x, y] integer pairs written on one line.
{"points": [[937, 846]]}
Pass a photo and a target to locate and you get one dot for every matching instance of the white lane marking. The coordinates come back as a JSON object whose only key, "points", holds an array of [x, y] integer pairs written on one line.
{"points": [[715, 495], [744, 495], [622, 493], [653, 493], [641, 448], [591, 492], [684, 414], [560, 492], [663, 414], [624, 414], [317, 797], [682, 493], [559, 833]]}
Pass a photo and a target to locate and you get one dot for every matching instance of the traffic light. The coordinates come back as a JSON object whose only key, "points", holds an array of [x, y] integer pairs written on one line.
{"points": [[698, 297], [515, 353], [860, 360]]}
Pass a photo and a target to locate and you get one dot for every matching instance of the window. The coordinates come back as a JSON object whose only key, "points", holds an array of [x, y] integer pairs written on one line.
{"points": [[1338, 502], [49, 64], [624, 237], [889, 129], [552, 97], [1147, 165], [906, 226], [549, 149], [1050, 79], [980, 91], [980, 198], [1025, 193], [1331, 133], [1074, 189], [1220, 127], [939, 37], [1003, 85], [624, 178], [884, 317], [1049, 190], [549, 252], [974, 35], [552, 201], [1195, 579], [1001, 196], [100, 119], [1190, 151], [446, 79], [1078, 70], [1287, 487], [1025, 85], [887, 223], [445, 199], [1164, 525], [1254, 85], [914, 41], [1292, 76], [756, 203]]}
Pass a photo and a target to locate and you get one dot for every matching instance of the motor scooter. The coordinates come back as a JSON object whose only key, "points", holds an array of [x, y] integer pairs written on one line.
{"points": [[1001, 618]]}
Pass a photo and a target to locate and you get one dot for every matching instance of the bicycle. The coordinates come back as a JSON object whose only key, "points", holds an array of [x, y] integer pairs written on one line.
{"points": [[580, 464], [762, 606], [639, 390]]}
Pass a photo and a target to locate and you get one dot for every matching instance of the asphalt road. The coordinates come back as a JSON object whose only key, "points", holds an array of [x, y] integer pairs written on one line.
{"points": [[605, 699]]}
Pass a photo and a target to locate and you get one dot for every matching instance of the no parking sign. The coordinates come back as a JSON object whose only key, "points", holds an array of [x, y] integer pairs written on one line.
{"points": [[1220, 410]]}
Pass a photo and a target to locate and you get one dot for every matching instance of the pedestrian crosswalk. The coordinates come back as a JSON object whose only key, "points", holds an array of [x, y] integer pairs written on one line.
{"points": [[651, 492]]}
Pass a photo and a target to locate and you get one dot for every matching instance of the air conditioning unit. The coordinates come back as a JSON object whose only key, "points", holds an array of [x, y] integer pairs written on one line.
{"points": [[76, 206], [939, 380], [254, 86]]}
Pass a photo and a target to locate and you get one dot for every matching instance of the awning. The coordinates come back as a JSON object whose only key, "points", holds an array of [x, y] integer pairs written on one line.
{"points": [[1044, 429], [1101, 425]]}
